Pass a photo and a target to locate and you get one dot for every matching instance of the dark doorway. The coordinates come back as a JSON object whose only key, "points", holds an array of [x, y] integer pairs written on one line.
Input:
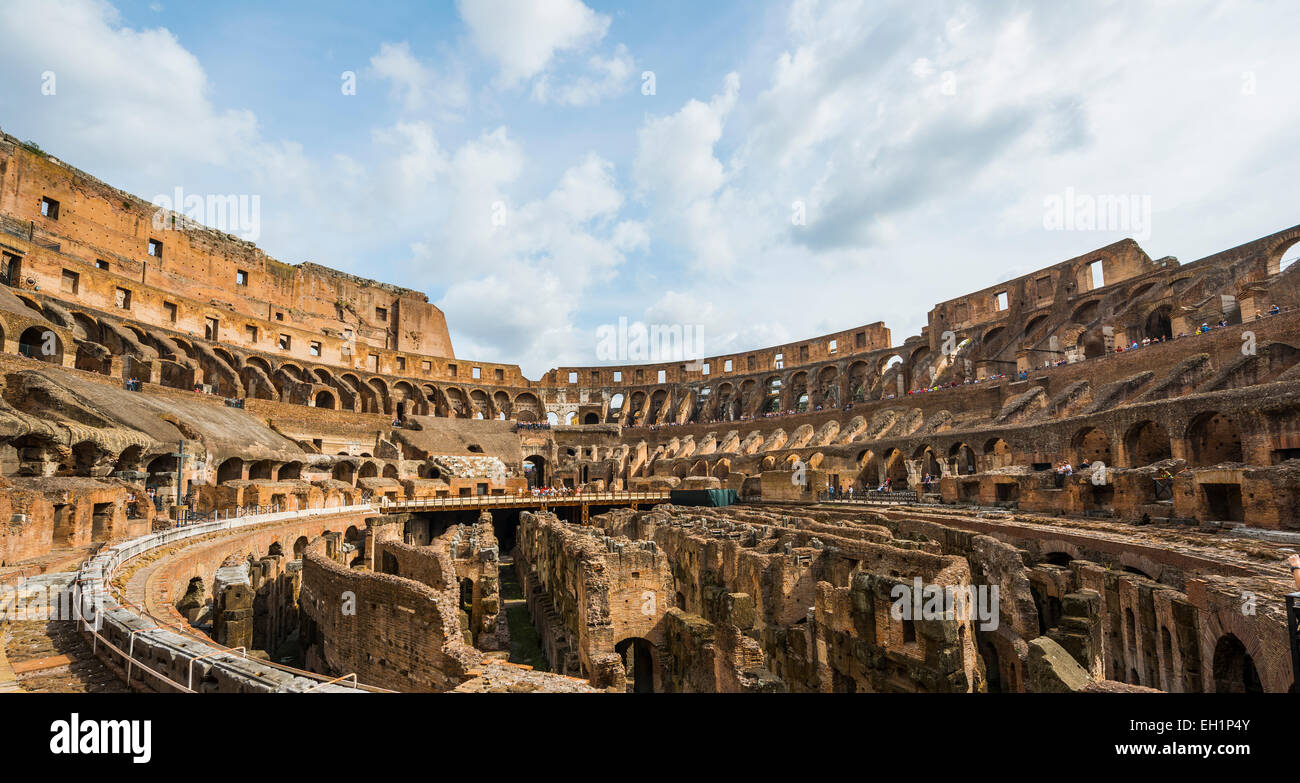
{"points": [[1223, 502], [1234, 669], [638, 659]]}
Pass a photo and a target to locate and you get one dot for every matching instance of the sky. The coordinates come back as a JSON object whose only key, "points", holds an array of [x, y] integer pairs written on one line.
{"points": [[761, 172]]}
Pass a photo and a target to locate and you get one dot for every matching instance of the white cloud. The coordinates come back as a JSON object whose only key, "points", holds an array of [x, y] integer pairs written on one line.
{"points": [[119, 94], [609, 76], [523, 37], [416, 84]]}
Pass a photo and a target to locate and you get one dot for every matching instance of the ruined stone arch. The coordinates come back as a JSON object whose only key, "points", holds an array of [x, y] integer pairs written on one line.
{"points": [[826, 391], [1157, 323], [990, 340], [223, 354], [868, 470], [1211, 438], [231, 469], [1142, 289], [927, 460], [527, 407], [457, 402], [1034, 323], [406, 401], [433, 402], [859, 381], [771, 394], [997, 452], [1090, 444], [130, 459], [1234, 667], [480, 405], [324, 399], [383, 400], [1145, 443], [502, 405], [896, 469], [35, 344], [253, 361], [345, 471], [1278, 254], [659, 409], [962, 457], [89, 458], [635, 408], [1086, 312], [887, 368]]}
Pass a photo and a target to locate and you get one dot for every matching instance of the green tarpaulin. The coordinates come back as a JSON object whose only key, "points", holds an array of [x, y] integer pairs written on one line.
{"points": [[702, 497]]}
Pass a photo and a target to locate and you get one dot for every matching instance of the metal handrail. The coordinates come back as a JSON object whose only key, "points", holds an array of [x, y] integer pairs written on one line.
{"points": [[98, 572]]}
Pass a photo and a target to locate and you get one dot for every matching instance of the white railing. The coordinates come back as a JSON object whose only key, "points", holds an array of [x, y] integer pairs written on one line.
{"points": [[94, 582]]}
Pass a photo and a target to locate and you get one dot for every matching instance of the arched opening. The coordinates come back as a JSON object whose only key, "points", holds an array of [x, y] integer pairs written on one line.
{"points": [[368, 470], [535, 471], [290, 470], [591, 418], [1091, 445], [928, 462], [129, 459], [299, 547], [1234, 669], [1147, 442], [1159, 325], [260, 470], [1282, 259], [41, 344], [868, 471], [344, 471], [1086, 313], [896, 470], [963, 458], [1213, 438], [997, 452], [638, 660], [230, 470], [324, 399]]}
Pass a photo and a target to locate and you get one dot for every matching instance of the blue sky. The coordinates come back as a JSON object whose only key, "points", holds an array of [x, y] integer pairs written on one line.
{"points": [[918, 140]]}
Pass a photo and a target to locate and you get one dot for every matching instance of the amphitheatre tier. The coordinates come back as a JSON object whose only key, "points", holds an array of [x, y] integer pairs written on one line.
{"points": [[156, 380]]}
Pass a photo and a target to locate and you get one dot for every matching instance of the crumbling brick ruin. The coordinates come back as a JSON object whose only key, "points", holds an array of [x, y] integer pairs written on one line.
{"points": [[218, 445]]}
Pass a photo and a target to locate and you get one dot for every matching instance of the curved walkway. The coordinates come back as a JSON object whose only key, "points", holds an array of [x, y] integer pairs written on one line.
{"points": [[151, 654]]}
